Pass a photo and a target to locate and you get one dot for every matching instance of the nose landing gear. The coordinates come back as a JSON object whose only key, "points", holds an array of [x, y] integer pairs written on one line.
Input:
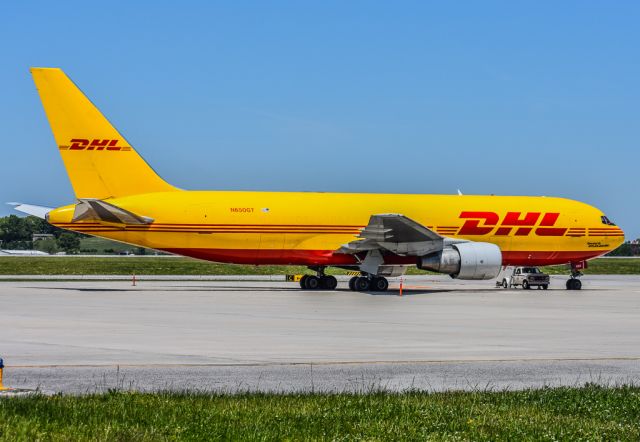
{"points": [[573, 283]]}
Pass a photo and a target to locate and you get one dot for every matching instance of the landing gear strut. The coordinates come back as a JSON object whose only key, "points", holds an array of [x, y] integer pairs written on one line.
{"points": [[319, 282], [573, 283], [368, 282]]}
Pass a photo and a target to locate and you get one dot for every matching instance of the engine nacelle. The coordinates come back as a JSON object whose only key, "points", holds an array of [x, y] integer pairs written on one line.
{"points": [[466, 260]]}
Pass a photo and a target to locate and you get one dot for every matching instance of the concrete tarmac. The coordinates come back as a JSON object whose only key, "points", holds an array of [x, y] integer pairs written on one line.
{"points": [[84, 336]]}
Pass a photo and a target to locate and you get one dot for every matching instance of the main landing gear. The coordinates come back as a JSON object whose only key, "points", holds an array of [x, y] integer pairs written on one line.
{"points": [[573, 283], [366, 283], [319, 282]]}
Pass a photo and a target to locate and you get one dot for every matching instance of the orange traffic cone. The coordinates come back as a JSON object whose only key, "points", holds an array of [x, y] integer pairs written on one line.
{"points": [[2, 387]]}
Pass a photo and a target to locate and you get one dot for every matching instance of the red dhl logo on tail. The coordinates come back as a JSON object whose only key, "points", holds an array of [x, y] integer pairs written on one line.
{"points": [[483, 223], [95, 144]]}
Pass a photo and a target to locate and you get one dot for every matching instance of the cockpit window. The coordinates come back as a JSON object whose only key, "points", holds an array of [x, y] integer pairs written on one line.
{"points": [[606, 221]]}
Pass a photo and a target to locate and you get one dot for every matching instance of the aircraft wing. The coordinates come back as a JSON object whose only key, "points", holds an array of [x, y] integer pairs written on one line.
{"points": [[397, 234], [31, 209], [106, 213]]}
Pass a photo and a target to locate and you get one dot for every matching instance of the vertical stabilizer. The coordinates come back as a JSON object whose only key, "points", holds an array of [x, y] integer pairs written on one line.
{"points": [[99, 161]]}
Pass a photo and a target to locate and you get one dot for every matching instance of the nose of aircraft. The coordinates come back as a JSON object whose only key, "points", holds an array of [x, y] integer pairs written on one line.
{"points": [[619, 239], [605, 228], [614, 232]]}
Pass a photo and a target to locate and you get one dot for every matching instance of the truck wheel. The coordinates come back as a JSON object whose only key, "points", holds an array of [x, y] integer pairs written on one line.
{"points": [[545, 286], [505, 285], [525, 285]]}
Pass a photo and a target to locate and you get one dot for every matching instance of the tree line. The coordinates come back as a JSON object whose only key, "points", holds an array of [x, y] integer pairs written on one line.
{"points": [[629, 248], [16, 233]]}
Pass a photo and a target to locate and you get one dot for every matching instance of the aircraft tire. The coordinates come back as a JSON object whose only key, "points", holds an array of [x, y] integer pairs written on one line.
{"points": [[379, 284], [328, 282], [312, 283], [362, 284], [574, 284]]}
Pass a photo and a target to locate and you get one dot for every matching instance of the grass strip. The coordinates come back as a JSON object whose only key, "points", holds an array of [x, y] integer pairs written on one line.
{"points": [[186, 266], [590, 413]]}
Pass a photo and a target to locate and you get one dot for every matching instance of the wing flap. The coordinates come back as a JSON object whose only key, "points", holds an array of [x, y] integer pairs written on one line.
{"points": [[397, 234]]}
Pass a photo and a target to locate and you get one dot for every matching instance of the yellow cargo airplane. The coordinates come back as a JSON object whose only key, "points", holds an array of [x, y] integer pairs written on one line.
{"points": [[468, 237]]}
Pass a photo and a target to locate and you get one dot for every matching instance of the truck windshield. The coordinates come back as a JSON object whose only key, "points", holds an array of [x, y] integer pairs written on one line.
{"points": [[530, 270]]}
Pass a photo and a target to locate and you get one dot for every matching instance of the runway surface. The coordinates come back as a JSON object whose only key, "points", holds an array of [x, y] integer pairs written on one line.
{"points": [[84, 336]]}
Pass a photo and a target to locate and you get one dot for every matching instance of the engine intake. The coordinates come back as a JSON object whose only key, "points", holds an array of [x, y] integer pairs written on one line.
{"points": [[467, 260]]}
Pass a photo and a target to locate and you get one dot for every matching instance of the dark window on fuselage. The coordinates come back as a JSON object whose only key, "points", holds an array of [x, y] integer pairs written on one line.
{"points": [[606, 221]]}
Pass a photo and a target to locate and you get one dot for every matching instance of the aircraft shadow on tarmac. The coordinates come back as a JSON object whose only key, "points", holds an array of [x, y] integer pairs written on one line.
{"points": [[405, 292]]}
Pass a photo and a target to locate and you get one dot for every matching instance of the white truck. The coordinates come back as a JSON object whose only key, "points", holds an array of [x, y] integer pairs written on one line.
{"points": [[526, 277]]}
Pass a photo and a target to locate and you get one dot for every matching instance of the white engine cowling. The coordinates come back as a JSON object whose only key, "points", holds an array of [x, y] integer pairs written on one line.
{"points": [[467, 260]]}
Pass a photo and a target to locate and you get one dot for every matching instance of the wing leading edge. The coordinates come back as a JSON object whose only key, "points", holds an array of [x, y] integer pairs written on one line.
{"points": [[397, 234]]}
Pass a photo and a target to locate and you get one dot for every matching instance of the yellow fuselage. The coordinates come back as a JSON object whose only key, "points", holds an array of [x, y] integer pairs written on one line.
{"points": [[308, 228]]}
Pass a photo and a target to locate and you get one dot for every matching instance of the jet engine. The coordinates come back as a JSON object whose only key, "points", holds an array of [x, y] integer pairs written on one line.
{"points": [[467, 260]]}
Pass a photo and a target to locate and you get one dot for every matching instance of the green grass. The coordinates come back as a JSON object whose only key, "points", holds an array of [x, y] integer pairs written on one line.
{"points": [[127, 265], [572, 414], [101, 244], [603, 266]]}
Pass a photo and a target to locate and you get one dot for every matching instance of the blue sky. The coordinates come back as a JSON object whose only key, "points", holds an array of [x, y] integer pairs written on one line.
{"points": [[531, 98]]}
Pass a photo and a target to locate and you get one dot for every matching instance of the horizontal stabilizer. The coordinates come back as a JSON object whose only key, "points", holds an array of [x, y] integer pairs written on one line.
{"points": [[103, 212], [30, 209]]}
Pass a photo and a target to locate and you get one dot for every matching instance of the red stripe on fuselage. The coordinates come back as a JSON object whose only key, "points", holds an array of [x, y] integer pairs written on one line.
{"points": [[329, 257], [129, 229], [301, 226]]}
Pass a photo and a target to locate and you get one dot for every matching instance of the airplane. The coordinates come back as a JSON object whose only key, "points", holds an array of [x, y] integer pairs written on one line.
{"points": [[471, 237]]}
